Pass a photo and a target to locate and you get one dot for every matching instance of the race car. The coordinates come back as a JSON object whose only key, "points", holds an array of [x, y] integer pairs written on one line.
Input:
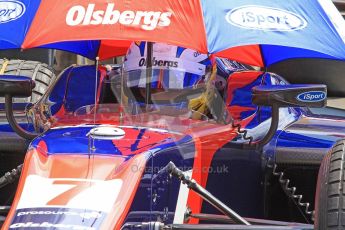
{"points": [[191, 143]]}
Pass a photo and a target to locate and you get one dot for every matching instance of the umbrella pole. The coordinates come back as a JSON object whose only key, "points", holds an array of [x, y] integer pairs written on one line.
{"points": [[96, 89], [121, 94], [149, 56], [91, 140]]}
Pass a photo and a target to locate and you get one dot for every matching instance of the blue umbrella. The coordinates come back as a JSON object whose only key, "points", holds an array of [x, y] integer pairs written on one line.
{"points": [[279, 30]]}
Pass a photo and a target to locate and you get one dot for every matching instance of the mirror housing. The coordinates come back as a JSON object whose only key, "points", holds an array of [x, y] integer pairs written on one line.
{"points": [[296, 95], [16, 86], [277, 96]]}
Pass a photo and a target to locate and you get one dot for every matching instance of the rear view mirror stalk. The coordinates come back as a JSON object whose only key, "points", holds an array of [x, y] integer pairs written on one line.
{"points": [[12, 121], [273, 127], [16, 86]]}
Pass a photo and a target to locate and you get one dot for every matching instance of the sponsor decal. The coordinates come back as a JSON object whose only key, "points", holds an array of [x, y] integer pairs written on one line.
{"points": [[56, 217], [33, 225], [312, 96], [161, 63], [169, 63], [265, 18], [11, 10], [85, 215], [69, 193], [146, 20]]}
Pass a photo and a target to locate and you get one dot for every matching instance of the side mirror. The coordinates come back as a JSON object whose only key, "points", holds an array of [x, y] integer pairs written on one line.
{"points": [[277, 96], [313, 96], [16, 86]]}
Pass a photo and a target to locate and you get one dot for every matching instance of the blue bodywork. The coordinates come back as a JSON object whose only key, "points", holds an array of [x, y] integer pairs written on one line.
{"points": [[301, 141], [299, 129]]}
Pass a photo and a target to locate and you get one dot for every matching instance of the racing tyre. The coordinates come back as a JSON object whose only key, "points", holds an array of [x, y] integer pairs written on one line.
{"points": [[330, 191], [41, 73]]}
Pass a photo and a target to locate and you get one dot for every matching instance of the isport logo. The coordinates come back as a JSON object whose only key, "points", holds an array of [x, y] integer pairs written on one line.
{"points": [[265, 18], [146, 20], [312, 96], [11, 10]]}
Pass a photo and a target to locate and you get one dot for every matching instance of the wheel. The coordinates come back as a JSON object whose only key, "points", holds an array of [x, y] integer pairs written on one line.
{"points": [[330, 191], [41, 73]]}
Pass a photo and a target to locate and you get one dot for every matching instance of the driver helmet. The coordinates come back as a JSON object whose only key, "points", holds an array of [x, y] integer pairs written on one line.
{"points": [[174, 69]]}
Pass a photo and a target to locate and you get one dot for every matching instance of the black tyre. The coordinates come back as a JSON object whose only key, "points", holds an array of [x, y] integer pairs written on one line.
{"points": [[41, 73], [330, 191]]}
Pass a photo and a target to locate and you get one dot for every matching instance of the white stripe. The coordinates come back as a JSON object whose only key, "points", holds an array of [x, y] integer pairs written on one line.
{"points": [[181, 205]]}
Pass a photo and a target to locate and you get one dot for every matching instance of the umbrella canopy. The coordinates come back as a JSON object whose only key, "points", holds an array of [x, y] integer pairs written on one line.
{"points": [[260, 33], [16, 17]]}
